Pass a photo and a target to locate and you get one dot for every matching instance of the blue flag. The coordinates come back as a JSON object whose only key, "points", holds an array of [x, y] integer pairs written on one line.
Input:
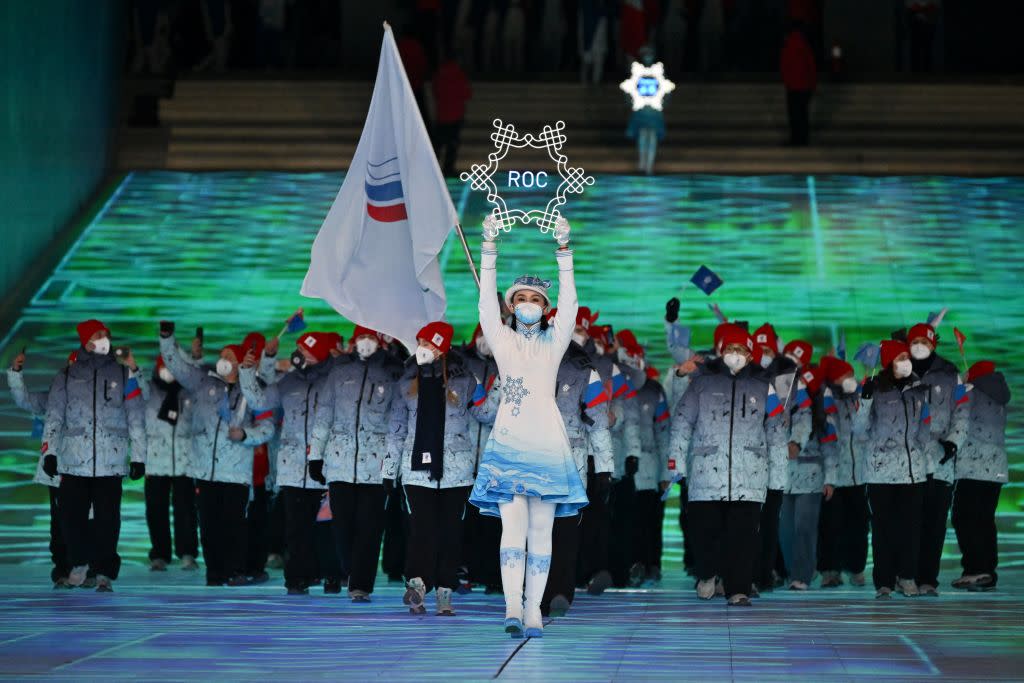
{"points": [[706, 280], [296, 323], [868, 354]]}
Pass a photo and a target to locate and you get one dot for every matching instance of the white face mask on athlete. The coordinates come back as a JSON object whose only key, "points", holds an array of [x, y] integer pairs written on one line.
{"points": [[481, 346], [735, 361], [424, 356], [366, 348], [849, 385], [766, 360], [580, 339], [528, 313], [165, 376], [902, 368], [920, 351], [224, 367], [101, 346]]}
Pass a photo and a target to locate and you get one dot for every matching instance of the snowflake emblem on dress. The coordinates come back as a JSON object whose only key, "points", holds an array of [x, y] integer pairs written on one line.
{"points": [[647, 86], [514, 393], [506, 137]]}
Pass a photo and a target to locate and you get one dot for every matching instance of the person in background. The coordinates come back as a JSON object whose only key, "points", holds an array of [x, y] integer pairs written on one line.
{"points": [[981, 471], [594, 17], [652, 476], [800, 77], [219, 31], [894, 423], [451, 93], [416, 64], [627, 449], [95, 421], [257, 515]]}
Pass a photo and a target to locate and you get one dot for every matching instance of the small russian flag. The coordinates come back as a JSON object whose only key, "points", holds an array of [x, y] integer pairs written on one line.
{"points": [[619, 384], [960, 396], [385, 199], [830, 404], [131, 389], [258, 415], [830, 433], [596, 395], [296, 323], [803, 399], [774, 405], [630, 389], [926, 415], [661, 412], [479, 395]]}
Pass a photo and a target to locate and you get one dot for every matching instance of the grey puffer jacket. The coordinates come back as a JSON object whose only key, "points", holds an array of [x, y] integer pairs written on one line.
{"points": [[983, 456], [626, 429], [353, 418], [486, 370], [948, 403], [33, 403], [296, 397], [459, 460], [583, 402], [95, 418], [728, 433], [844, 455], [807, 470], [894, 425], [654, 427], [217, 407], [623, 436], [169, 446]]}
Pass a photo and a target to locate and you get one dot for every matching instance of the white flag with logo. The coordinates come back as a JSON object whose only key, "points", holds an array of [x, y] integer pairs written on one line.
{"points": [[375, 259]]}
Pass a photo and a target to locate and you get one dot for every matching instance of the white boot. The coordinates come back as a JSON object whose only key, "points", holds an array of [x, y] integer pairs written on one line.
{"points": [[77, 576], [513, 568], [537, 568]]}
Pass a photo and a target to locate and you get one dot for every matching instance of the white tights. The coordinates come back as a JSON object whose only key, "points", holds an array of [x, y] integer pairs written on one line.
{"points": [[526, 522]]}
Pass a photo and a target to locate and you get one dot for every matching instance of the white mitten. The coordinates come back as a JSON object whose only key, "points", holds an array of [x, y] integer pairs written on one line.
{"points": [[562, 231], [491, 228]]}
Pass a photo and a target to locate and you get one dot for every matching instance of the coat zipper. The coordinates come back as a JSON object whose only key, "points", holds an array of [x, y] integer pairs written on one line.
{"points": [[305, 434], [94, 385], [216, 437], [359, 407], [732, 414], [906, 437]]}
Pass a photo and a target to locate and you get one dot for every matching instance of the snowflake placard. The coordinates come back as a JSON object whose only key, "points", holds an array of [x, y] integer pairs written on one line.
{"points": [[647, 86], [506, 137]]}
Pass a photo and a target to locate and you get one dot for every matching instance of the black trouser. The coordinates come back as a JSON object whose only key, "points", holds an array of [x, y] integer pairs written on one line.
{"points": [[257, 536], [92, 544], [302, 566], [395, 526], [222, 528], [620, 551], [434, 547], [565, 546], [766, 540], [974, 519], [446, 139], [482, 538], [358, 524], [843, 531], [181, 493], [276, 542], [895, 531], [650, 512], [688, 559], [724, 534], [934, 511], [58, 547], [798, 104], [595, 530]]}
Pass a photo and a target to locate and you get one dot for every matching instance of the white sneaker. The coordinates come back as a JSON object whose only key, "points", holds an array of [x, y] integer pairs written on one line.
{"points": [[188, 563], [706, 589], [908, 587], [77, 576], [858, 579], [965, 580], [104, 584], [928, 591], [415, 591], [444, 602], [157, 565], [797, 586]]}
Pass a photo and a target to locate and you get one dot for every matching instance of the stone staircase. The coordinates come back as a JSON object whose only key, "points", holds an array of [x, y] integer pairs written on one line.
{"points": [[739, 128]]}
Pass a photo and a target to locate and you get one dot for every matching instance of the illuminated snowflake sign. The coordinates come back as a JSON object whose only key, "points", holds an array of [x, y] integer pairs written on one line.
{"points": [[505, 138], [647, 86]]}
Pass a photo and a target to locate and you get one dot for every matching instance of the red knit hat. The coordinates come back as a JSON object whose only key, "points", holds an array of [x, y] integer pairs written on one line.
{"points": [[801, 350], [360, 331], [765, 336], [980, 369], [598, 333], [238, 350], [834, 368], [628, 341], [335, 340], [812, 377], [890, 349], [438, 333], [924, 331], [88, 328], [317, 343], [730, 333], [257, 339], [584, 318]]}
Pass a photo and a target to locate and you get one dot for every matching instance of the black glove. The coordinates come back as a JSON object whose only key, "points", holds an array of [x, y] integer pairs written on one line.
{"points": [[632, 465], [868, 390], [166, 328], [603, 485], [672, 310], [950, 449], [50, 465], [389, 486], [316, 471], [136, 470]]}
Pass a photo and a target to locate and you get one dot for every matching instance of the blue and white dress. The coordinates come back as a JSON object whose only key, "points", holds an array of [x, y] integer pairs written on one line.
{"points": [[528, 451]]}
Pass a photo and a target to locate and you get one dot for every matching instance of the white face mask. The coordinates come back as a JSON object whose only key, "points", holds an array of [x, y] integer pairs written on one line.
{"points": [[366, 348], [902, 368], [424, 355], [481, 346], [920, 351], [765, 361], [101, 346], [166, 376], [580, 339], [735, 361], [528, 313], [849, 385], [224, 367], [599, 349]]}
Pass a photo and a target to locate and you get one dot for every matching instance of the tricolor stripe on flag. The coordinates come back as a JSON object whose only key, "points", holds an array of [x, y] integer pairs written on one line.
{"points": [[830, 403], [479, 395], [960, 396], [385, 200], [774, 406], [596, 395], [131, 389], [258, 415], [619, 384], [661, 412], [803, 399], [630, 389], [830, 433], [926, 415]]}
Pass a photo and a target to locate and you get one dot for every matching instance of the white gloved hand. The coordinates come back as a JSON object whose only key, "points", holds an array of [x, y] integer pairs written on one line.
{"points": [[562, 231], [491, 228]]}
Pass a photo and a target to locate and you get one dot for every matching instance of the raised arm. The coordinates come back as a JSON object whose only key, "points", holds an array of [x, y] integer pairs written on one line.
{"points": [[189, 376], [32, 402], [568, 304], [260, 398]]}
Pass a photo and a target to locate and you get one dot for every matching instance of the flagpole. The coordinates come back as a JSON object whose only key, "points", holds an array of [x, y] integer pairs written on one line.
{"points": [[468, 253]]}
